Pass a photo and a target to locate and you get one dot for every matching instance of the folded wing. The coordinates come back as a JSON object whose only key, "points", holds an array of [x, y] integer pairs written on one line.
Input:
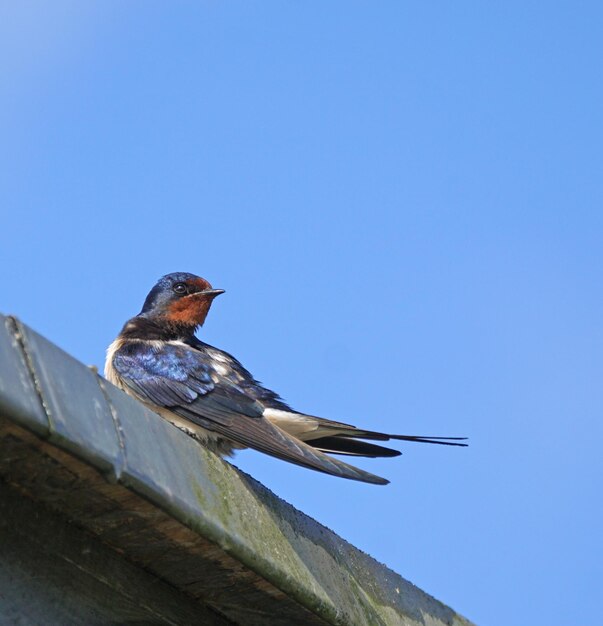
{"points": [[184, 381]]}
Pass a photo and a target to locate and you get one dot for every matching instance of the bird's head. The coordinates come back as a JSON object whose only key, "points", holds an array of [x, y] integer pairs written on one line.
{"points": [[180, 299]]}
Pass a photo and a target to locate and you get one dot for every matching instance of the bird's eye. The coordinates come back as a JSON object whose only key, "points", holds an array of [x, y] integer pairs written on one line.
{"points": [[180, 289]]}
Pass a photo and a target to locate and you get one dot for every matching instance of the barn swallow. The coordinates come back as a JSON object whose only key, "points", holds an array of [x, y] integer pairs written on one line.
{"points": [[207, 393]]}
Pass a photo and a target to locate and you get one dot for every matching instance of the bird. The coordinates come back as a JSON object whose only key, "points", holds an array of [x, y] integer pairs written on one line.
{"points": [[207, 393]]}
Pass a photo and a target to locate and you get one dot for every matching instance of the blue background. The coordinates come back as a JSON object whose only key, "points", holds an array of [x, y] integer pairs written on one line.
{"points": [[403, 203]]}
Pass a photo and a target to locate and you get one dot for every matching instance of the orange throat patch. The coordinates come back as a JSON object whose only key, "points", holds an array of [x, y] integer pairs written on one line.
{"points": [[191, 310]]}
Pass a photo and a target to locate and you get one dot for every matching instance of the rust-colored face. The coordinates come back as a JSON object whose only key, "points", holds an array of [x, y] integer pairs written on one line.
{"points": [[180, 298], [191, 306]]}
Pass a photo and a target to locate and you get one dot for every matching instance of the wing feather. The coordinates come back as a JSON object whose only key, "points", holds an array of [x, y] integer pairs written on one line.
{"points": [[184, 380]]}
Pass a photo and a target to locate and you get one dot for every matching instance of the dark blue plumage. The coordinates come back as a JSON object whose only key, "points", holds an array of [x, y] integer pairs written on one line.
{"points": [[209, 394], [167, 376]]}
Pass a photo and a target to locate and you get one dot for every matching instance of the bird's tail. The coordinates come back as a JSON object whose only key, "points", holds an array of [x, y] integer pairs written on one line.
{"points": [[340, 438]]}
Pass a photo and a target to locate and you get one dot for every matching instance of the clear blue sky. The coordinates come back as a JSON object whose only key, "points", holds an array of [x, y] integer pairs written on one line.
{"points": [[403, 202]]}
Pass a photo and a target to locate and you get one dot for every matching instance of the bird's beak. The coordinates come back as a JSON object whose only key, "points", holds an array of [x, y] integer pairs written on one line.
{"points": [[212, 293]]}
